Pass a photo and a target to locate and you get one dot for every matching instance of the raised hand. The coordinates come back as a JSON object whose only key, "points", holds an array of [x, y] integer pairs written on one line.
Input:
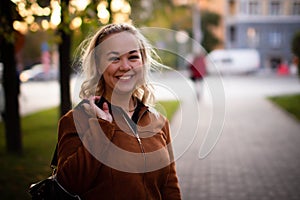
{"points": [[92, 109]]}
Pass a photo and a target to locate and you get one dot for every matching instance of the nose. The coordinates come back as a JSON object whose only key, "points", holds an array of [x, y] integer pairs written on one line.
{"points": [[125, 64]]}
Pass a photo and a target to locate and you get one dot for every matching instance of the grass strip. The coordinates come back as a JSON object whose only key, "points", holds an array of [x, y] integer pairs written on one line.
{"points": [[289, 103]]}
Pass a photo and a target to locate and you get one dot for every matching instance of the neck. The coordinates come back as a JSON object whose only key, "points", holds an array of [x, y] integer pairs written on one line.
{"points": [[125, 101]]}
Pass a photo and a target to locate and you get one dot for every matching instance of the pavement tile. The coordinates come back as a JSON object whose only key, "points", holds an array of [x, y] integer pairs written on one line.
{"points": [[257, 156]]}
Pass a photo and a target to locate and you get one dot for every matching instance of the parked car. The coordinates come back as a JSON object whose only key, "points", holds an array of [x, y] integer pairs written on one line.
{"points": [[39, 73], [233, 61]]}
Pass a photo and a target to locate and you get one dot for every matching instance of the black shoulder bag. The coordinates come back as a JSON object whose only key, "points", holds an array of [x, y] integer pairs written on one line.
{"points": [[50, 189]]}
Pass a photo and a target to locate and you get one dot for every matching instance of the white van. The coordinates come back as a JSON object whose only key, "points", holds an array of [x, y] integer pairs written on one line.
{"points": [[232, 61]]}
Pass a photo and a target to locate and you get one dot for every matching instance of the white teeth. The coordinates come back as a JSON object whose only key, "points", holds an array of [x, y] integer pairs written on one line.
{"points": [[124, 77]]}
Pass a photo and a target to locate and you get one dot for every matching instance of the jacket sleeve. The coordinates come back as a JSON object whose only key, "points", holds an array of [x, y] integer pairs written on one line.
{"points": [[77, 166], [171, 190]]}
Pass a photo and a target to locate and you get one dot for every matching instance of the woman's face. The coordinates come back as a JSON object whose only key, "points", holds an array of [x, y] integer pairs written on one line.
{"points": [[121, 63]]}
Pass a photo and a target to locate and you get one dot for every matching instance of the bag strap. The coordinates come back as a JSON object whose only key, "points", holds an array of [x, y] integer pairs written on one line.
{"points": [[53, 164]]}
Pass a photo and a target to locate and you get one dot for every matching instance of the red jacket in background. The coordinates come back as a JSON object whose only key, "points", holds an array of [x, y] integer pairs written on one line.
{"points": [[197, 68]]}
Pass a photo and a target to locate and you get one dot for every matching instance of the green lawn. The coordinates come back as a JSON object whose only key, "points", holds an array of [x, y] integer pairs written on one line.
{"points": [[290, 103], [167, 108], [39, 139]]}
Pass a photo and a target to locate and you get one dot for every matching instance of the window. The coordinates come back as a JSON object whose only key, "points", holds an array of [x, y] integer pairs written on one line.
{"points": [[296, 8], [254, 8], [275, 7], [232, 33], [252, 37], [275, 39], [226, 61], [232, 7]]}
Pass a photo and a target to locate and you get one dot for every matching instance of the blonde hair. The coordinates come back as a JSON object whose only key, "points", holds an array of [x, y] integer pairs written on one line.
{"points": [[94, 82]]}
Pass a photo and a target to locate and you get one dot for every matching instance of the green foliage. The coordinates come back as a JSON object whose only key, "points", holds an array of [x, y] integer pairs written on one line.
{"points": [[161, 13], [290, 103], [166, 15], [43, 3], [208, 21], [8, 14]]}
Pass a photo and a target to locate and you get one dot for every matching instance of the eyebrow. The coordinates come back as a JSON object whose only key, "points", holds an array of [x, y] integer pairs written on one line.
{"points": [[112, 52], [133, 51], [117, 53]]}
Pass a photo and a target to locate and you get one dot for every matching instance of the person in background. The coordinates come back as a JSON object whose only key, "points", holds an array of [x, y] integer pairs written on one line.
{"points": [[114, 144], [197, 72]]}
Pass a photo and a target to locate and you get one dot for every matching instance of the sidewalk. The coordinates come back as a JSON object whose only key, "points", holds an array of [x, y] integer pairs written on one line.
{"points": [[257, 156]]}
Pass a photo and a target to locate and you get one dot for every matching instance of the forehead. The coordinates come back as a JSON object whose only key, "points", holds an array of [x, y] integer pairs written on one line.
{"points": [[118, 42]]}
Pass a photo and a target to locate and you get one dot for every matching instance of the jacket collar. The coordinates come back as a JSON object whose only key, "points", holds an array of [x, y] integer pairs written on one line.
{"points": [[138, 113]]}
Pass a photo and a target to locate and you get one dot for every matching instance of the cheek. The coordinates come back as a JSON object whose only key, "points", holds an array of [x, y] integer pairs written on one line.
{"points": [[138, 66], [108, 77], [104, 65], [108, 69], [139, 63], [140, 74]]}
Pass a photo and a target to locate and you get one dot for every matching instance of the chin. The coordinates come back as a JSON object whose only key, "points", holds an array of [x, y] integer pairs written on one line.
{"points": [[124, 90]]}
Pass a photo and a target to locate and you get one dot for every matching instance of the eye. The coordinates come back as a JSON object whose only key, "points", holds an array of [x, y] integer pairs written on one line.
{"points": [[134, 57], [114, 59]]}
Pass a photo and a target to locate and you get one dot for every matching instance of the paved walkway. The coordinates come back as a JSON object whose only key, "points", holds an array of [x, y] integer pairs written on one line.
{"points": [[257, 156]]}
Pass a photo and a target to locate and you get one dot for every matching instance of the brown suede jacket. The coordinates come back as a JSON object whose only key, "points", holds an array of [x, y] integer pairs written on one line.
{"points": [[119, 160]]}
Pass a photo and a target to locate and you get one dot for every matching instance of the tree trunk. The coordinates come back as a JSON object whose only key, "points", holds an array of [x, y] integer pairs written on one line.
{"points": [[11, 92], [64, 69], [11, 83], [64, 62]]}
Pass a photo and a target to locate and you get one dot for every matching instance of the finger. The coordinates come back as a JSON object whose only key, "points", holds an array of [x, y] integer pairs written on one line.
{"points": [[105, 107], [108, 116], [91, 100], [97, 98]]}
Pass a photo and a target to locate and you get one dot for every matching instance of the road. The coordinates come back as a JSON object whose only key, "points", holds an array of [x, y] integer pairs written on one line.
{"points": [[40, 95]]}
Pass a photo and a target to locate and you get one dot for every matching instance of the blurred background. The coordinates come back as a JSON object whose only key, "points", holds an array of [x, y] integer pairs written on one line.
{"points": [[250, 47]]}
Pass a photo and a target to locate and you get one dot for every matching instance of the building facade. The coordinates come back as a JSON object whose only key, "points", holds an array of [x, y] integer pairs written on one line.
{"points": [[266, 25]]}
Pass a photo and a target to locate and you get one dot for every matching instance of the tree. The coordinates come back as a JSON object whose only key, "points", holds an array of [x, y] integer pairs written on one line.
{"points": [[296, 49], [161, 13], [10, 77], [10, 15], [165, 14], [208, 21], [64, 59]]}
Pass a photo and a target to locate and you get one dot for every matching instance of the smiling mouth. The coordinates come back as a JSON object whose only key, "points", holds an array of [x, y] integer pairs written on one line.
{"points": [[127, 77]]}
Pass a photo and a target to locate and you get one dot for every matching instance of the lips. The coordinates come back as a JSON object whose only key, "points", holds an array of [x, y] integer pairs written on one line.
{"points": [[124, 77]]}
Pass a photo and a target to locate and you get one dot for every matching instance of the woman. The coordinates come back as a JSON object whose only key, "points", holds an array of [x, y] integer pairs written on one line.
{"points": [[113, 145]]}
